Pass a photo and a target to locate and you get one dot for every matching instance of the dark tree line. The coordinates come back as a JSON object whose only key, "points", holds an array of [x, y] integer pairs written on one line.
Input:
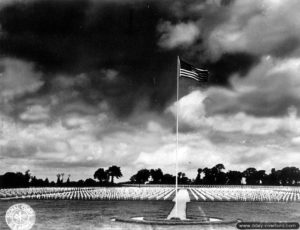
{"points": [[104, 175], [251, 176], [207, 176], [23, 180], [217, 176], [157, 177]]}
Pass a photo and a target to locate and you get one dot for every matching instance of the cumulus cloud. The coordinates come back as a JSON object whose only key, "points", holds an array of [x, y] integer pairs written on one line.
{"points": [[193, 115], [35, 113], [207, 146], [265, 101], [193, 149], [77, 141], [268, 90], [296, 140], [44, 145], [253, 123], [258, 27], [182, 34], [70, 82], [18, 78]]}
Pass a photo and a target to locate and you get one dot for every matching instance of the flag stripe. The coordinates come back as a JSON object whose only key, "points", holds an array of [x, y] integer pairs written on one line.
{"points": [[195, 71], [200, 75], [195, 77], [189, 71], [190, 77]]}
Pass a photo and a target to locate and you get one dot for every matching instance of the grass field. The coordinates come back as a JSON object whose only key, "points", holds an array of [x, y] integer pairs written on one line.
{"points": [[247, 211], [79, 214]]}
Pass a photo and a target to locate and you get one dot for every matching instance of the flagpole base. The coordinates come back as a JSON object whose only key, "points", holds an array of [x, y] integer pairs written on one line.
{"points": [[204, 220]]}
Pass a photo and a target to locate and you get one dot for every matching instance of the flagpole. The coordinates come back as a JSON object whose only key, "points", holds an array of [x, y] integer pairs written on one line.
{"points": [[177, 110]]}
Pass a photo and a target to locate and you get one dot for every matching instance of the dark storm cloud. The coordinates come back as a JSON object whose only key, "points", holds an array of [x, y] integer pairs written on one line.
{"points": [[79, 36], [47, 32], [73, 37], [229, 63], [90, 37]]}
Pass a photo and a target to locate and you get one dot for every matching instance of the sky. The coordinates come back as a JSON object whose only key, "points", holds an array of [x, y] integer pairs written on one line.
{"points": [[86, 84]]}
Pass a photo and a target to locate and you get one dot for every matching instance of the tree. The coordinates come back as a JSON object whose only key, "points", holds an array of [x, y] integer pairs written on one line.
{"points": [[62, 177], [101, 175], [219, 175], [141, 176], [168, 179], [260, 176], [198, 177], [34, 181], [157, 175], [273, 178], [68, 180], [133, 179], [80, 183], [89, 182], [58, 181], [208, 176], [182, 179], [27, 177], [219, 167], [15, 180], [290, 175], [114, 171], [234, 177], [214, 175], [251, 176], [46, 182]]}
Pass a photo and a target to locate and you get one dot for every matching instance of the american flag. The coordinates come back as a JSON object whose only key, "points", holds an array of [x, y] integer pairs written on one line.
{"points": [[189, 71]]}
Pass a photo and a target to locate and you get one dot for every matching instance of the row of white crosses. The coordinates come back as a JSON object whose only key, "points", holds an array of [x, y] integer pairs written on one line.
{"points": [[204, 193], [18, 192], [120, 193], [131, 193], [262, 194]]}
